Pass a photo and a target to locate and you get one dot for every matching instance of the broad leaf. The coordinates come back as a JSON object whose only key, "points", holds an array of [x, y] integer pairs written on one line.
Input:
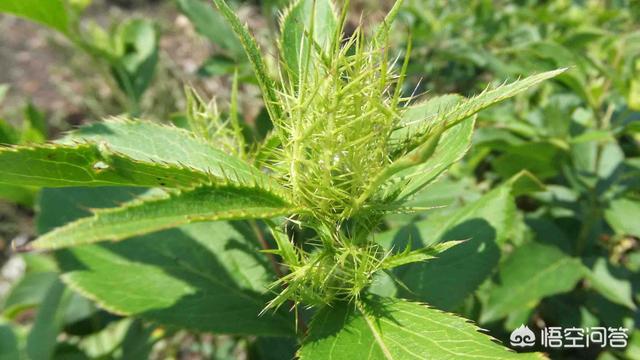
{"points": [[484, 224], [204, 277], [144, 215], [396, 329], [146, 141], [89, 165], [267, 85], [51, 13], [532, 272], [305, 19]]}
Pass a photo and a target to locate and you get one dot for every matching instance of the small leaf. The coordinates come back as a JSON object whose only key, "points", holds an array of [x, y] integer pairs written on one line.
{"points": [[410, 256], [533, 271], [142, 216], [51, 13], [388, 329]]}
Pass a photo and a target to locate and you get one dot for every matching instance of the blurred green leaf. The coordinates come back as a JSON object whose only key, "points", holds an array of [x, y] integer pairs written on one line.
{"points": [[611, 282], [51, 13], [41, 341], [212, 25], [28, 292], [622, 216], [8, 343], [532, 272]]}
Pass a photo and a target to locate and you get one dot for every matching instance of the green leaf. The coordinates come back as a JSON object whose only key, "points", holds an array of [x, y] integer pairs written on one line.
{"points": [[611, 283], [88, 165], [51, 13], [540, 158], [41, 340], [484, 224], [8, 134], [409, 256], [18, 194], [144, 215], [212, 25], [204, 277], [622, 215], [267, 85], [147, 141], [296, 28], [452, 115], [8, 343], [136, 45], [28, 292], [389, 329], [533, 271], [453, 144]]}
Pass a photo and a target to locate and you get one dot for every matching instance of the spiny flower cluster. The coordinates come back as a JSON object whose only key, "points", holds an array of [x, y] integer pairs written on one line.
{"points": [[337, 128]]}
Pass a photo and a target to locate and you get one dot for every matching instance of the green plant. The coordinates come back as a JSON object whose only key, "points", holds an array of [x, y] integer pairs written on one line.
{"points": [[347, 149], [126, 56]]}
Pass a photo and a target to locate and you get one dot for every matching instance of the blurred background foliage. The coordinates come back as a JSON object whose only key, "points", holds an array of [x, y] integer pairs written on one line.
{"points": [[562, 241]]}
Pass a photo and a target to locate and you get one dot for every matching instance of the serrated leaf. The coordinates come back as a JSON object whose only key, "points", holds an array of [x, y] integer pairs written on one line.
{"points": [[532, 272], [142, 216], [452, 115], [205, 277], [88, 165], [389, 329], [412, 256], [51, 13], [296, 28], [146, 141], [267, 85]]}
